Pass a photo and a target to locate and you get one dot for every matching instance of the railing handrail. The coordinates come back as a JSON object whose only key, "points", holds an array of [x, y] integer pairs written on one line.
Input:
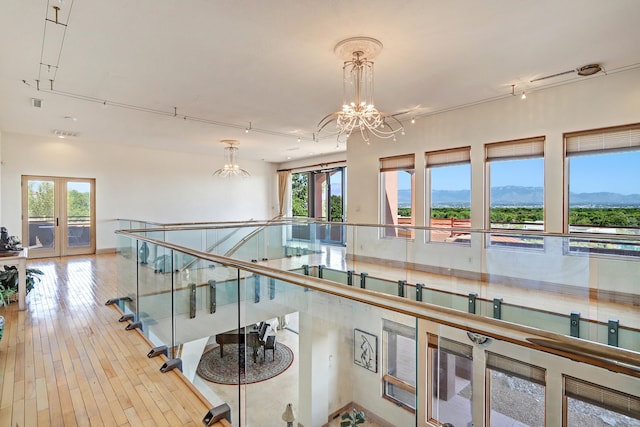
{"points": [[613, 358], [284, 221], [249, 236]]}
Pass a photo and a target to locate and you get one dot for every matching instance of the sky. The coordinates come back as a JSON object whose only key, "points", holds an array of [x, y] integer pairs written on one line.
{"points": [[615, 173]]}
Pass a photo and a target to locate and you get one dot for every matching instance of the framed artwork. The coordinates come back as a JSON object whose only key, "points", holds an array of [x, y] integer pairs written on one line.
{"points": [[365, 350]]}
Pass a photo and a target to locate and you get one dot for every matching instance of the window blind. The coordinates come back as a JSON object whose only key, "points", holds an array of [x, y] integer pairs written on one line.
{"points": [[456, 156], [450, 346], [395, 163], [516, 368], [398, 328], [519, 149], [623, 138], [603, 397]]}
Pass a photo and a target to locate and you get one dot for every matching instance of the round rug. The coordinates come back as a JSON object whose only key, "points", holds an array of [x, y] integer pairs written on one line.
{"points": [[225, 370]]}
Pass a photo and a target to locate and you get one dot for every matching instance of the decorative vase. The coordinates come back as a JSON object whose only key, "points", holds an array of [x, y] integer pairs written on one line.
{"points": [[1, 326]]}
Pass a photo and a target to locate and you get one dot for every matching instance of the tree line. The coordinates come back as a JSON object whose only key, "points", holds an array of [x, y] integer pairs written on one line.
{"points": [[41, 201], [599, 217]]}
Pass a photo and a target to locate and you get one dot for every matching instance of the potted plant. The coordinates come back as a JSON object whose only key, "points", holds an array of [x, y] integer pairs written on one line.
{"points": [[9, 282], [352, 419]]}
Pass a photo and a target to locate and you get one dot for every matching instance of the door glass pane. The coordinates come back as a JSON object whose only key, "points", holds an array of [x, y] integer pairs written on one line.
{"points": [[336, 205], [78, 214], [335, 192], [452, 386], [41, 216], [300, 194]]}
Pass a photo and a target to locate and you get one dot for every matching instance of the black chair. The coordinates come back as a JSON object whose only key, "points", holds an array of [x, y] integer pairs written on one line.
{"points": [[262, 329], [270, 344], [254, 341]]}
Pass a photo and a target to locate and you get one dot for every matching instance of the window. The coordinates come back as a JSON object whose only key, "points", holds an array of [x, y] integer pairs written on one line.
{"points": [[516, 392], [397, 200], [515, 171], [451, 377], [604, 188], [399, 379], [449, 186], [587, 404]]}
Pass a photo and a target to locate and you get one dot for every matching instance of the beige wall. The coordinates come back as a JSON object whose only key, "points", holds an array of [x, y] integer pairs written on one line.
{"points": [[136, 183]]}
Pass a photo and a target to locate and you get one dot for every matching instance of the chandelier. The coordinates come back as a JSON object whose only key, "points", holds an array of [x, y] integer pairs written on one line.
{"points": [[230, 167], [358, 109]]}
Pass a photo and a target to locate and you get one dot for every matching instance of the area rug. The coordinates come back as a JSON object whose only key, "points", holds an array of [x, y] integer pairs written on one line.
{"points": [[225, 370]]}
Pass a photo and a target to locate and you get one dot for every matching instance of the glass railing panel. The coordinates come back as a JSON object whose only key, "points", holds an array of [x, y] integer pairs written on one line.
{"points": [[377, 284], [445, 299], [249, 244], [336, 362], [127, 258], [604, 245], [206, 312], [190, 238], [478, 379], [225, 240], [155, 294], [335, 275], [276, 241]]}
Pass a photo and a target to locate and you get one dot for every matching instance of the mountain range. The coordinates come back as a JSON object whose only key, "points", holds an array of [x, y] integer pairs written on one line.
{"points": [[512, 195]]}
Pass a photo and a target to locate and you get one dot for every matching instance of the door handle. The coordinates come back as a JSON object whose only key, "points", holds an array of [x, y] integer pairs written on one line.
{"points": [[57, 224]]}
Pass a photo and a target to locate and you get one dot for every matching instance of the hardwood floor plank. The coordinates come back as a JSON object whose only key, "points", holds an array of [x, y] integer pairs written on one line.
{"points": [[67, 361]]}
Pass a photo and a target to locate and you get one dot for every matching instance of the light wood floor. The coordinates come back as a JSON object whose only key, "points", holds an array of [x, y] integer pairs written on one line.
{"points": [[67, 361]]}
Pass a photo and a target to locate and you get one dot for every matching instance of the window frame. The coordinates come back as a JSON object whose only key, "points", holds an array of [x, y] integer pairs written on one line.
{"points": [[444, 158], [405, 162], [390, 330], [517, 149], [600, 141]]}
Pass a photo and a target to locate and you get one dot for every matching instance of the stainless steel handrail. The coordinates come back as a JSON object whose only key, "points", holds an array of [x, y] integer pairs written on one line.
{"points": [[286, 221], [608, 357]]}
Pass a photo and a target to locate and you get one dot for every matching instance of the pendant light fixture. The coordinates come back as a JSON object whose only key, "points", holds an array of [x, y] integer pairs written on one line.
{"points": [[230, 167], [358, 109]]}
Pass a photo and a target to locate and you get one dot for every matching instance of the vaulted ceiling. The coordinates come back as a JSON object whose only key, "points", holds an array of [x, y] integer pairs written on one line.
{"points": [[183, 75]]}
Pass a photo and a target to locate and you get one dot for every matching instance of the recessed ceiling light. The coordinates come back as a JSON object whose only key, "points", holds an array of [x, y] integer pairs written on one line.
{"points": [[73, 119], [64, 133]]}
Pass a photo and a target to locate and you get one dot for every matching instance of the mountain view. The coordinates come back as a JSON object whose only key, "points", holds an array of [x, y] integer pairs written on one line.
{"points": [[523, 196]]}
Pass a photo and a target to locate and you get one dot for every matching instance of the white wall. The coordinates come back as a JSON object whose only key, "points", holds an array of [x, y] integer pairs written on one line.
{"points": [[136, 183]]}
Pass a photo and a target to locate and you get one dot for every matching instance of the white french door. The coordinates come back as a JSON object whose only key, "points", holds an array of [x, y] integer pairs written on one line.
{"points": [[58, 216]]}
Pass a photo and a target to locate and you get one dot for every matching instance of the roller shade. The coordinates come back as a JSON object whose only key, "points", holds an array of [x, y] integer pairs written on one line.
{"points": [[398, 328], [456, 156], [450, 346], [520, 149], [396, 163], [624, 138], [516, 368], [603, 397]]}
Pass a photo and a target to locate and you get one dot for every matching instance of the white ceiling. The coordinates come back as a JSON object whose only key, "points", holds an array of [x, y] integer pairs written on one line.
{"points": [[271, 63]]}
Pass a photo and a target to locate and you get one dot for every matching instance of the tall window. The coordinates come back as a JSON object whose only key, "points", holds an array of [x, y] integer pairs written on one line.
{"points": [[449, 186], [399, 377], [515, 170], [514, 385], [604, 187], [397, 200]]}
